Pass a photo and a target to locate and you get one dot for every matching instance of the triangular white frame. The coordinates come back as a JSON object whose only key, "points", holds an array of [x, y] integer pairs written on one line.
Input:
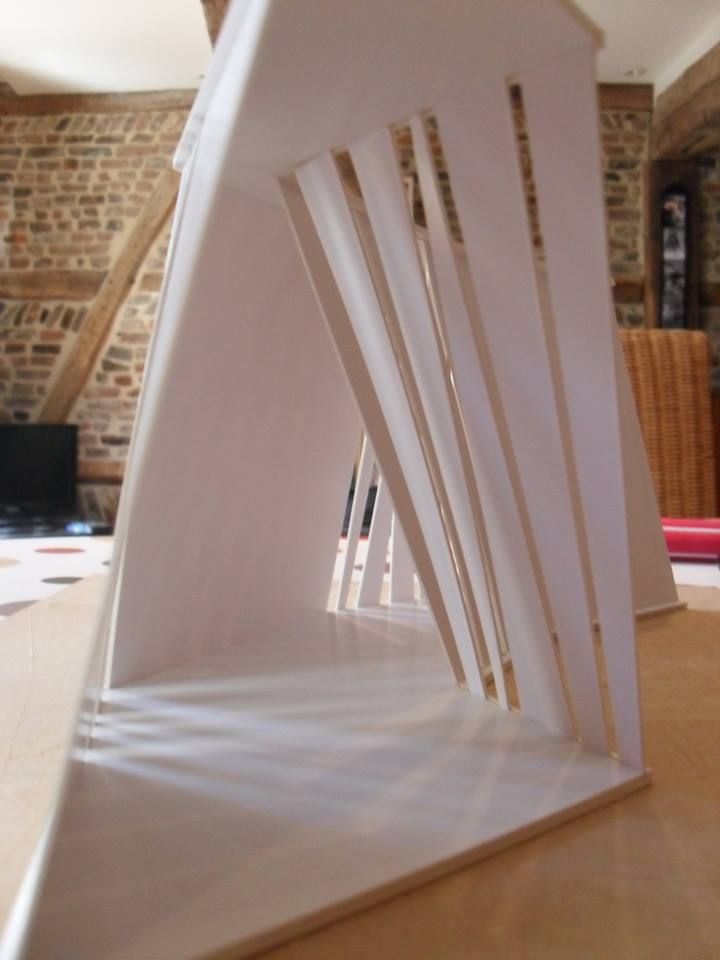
{"points": [[256, 765]]}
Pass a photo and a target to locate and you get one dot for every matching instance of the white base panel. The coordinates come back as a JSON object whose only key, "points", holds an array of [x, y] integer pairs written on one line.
{"points": [[258, 793], [696, 574]]}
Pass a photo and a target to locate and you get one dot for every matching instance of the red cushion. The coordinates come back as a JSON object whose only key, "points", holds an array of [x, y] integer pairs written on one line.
{"points": [[692, 539]]}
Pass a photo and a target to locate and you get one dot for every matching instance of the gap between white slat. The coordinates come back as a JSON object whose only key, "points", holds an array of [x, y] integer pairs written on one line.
{"points": [[342, 333], [378, 172], [568, 174], [373, 572], [518, 592], [357, 511], [477, 134], [326, 201]]}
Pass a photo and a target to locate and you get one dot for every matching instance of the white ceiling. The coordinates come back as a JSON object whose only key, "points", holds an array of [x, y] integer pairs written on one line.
{"points": [[105, 45], [662, 37], [52, 46]]}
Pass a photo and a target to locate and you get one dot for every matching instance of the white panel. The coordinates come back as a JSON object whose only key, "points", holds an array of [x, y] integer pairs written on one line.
{"points": [[348, 349], [326, 73], [138, 436], [253, 795], [652, 575], [378, 539], [568, 165], [385, 300], [478, 135], [325, 198], [357, 512], [377, 170], [155, 358], [270, 487], [402, 569], [527, 631]]}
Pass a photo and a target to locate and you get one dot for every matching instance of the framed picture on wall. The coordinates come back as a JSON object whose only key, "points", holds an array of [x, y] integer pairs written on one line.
{"points": [[672, 253]]}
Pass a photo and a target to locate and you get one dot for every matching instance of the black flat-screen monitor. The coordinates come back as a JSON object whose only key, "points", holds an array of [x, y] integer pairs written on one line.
{"points": [[38, 468]]}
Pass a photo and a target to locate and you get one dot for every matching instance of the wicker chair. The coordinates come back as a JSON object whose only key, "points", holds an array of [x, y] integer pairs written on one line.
{"points": [[669, 372]]}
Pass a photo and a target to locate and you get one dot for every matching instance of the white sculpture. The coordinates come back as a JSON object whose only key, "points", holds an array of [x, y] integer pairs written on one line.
{"points": [[256, 765]]}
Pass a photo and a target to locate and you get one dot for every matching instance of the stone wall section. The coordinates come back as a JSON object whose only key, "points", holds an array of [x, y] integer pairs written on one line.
{"points": [[71, 188], [35, 337], [625, 146], [105, 410], [75, 184]]}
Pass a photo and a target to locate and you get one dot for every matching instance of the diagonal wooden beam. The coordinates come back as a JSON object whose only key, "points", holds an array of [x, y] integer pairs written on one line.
{"points": [[214, 11], [117, 284], [687, 115]]}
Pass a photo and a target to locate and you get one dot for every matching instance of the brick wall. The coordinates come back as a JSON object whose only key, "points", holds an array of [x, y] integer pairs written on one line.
{"points": [[625, 141], [35, 336], [72, 187]]}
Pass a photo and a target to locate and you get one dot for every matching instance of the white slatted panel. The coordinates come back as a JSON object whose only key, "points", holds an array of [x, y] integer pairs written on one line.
{"points": [[377, 271], [495, 652], [556, 99], [378, 541], [522, 610], [325, 198], [478, 135], [379, 176], [357, 511], [402, 568], [353, 362]]}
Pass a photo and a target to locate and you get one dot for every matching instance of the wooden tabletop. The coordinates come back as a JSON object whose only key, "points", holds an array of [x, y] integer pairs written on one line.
{"points": [[638, 880]]}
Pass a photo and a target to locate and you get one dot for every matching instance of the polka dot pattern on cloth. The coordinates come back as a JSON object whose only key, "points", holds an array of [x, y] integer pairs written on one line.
{"points": [[34, 568]]}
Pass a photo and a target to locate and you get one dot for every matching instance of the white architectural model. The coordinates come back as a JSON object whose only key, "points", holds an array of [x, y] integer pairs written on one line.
{"points": [[249, 765]]}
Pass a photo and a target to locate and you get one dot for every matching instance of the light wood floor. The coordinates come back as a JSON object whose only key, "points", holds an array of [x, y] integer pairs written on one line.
{"points": [[639, 880]]}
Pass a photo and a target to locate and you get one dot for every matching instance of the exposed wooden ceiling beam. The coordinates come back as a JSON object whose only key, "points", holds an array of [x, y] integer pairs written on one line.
{"points": [[626, 96], [627, 290], [50, 284], [101, 471], [48, 104], [80, 361], [687, 115]]}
